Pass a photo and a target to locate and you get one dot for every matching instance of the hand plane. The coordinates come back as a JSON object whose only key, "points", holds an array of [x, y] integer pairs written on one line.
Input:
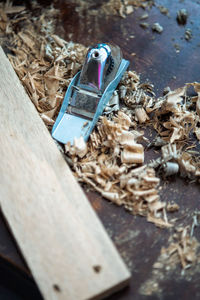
{"points": [[89, 92]]}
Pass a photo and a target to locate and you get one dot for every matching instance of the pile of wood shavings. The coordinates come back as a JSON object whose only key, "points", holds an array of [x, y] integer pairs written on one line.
{"points": [[176, 119], [112, 162], [182, 248], [182, 251], [44, 62]]}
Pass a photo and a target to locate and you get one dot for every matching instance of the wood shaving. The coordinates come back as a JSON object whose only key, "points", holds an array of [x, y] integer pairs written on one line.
{"points": [[113, 104], [182, 16], [141, 115], [164, 10], [144, 16], [144, 25], [172, 207], [183, 248], [188, 34], [157, 28], [170, 168]]}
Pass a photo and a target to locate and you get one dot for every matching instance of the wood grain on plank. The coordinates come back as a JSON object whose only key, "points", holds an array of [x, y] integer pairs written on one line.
{"points": [[61, 238]]}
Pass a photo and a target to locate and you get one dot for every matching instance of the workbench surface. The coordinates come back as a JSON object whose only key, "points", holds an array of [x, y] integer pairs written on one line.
{"points": [[165, 59]]}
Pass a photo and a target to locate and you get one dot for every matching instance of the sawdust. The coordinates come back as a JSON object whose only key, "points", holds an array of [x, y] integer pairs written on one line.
{"points": [[112, 7], [182, 249], [112, 162]]}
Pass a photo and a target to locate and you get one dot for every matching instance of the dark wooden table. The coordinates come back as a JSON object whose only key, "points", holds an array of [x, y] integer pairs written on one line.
{"points": [[165, 59]]}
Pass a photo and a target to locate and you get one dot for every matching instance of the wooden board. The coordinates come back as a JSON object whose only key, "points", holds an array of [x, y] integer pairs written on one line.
{"points": [[62, 240]]}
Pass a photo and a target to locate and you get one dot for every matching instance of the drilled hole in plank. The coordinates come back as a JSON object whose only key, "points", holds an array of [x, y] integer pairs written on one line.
{"points": [[97, 269], [56, 288]]}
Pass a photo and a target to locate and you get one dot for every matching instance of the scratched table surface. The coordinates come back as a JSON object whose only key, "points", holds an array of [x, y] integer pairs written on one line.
{"points": [[165, 59]]}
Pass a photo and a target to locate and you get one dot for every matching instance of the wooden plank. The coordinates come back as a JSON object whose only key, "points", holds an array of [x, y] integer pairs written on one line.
{"points": [[62, 240]]}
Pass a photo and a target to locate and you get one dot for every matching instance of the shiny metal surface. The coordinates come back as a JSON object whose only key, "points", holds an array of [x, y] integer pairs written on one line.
{"points": [[96, 65]]}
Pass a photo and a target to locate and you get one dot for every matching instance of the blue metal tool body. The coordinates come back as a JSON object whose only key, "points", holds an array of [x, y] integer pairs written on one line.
{"points": [[68, 125]]}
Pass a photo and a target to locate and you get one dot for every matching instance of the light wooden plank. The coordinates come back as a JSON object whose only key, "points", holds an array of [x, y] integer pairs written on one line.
{"points": [[59, 234]]}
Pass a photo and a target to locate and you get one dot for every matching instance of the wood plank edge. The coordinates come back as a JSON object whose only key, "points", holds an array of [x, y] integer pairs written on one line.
{"points": [[119, 287]]}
